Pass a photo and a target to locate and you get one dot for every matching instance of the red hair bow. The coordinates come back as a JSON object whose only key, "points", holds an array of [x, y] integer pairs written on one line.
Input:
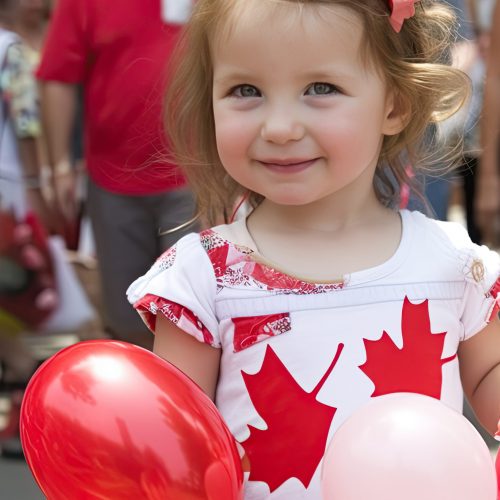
{"points": [[401, 10]]}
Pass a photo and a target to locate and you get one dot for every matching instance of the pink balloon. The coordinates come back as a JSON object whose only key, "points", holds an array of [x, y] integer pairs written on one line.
{"points": [[411, 447]]}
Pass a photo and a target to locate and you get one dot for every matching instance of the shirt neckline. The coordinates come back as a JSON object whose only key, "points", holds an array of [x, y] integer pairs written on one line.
{"points": [[354, 278]]}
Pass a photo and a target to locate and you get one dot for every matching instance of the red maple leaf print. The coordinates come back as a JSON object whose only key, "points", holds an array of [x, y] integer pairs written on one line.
{"points": [[417, 366], [297, 424]]}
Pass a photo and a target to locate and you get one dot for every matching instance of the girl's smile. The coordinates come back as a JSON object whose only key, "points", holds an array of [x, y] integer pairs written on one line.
{"points": [[290, 166]]}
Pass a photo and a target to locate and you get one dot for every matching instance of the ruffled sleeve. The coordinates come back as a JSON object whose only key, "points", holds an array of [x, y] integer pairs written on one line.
{"points": [[180, 285], [481, 269]]}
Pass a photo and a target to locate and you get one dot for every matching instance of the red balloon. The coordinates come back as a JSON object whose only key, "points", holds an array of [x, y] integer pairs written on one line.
{"points": [[110, 420]]}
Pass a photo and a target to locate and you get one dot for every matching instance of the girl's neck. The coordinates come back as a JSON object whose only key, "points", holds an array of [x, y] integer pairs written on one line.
{"points": [[328, 215], [321, 245]]}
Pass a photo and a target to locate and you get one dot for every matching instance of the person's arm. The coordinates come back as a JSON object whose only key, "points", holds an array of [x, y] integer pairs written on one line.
{"points": [[28, 154], [62, 67], [480, 371], [472, 11], [19, 90], [481, 31], [197, 360], [488, 195], [58, 105]]}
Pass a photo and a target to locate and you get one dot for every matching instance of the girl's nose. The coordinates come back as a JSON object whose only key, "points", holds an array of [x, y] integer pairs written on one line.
{"points": [[281, 127]]}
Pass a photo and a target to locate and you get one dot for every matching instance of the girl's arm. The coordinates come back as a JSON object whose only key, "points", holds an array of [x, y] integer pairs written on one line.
{"points": [[480, 371], [197, 360]]}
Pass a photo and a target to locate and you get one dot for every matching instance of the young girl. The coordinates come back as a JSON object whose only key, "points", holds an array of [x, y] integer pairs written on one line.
{"points": [[324, 296]]}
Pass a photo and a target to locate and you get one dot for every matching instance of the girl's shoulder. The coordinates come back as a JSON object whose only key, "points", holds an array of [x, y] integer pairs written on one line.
{"points": [[448, 237], [235, 233], [451, 233], [206, 248]]}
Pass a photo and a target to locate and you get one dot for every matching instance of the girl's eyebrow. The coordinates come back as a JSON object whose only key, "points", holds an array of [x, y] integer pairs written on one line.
{"points": [[235, 76], [324, 72], [243, 76], [327, 74]]}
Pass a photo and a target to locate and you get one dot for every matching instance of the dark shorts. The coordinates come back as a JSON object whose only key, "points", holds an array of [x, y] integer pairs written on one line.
{"points": [[127, 243]]}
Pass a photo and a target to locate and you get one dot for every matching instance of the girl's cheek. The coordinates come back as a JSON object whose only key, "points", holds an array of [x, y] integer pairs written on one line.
{"points": [[234, 133], [230, 143]]}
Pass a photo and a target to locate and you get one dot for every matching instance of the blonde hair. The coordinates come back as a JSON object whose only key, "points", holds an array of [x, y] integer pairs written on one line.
{"points": [[414, 64]]}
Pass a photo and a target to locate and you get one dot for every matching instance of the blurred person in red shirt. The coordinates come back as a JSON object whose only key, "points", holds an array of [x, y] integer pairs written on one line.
{"points": [[118, 51]]}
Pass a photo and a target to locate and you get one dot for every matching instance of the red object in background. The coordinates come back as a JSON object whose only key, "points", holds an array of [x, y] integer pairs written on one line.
{"points": [[107, 419], [71, 232], [24, 303], [123, 76]]}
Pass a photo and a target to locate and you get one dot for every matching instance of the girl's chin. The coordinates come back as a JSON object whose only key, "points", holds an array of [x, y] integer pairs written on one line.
{"points": [[291, 199]]}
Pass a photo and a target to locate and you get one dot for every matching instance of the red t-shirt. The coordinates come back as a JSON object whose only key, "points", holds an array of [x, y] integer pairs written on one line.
{"points": [[118, 50]]}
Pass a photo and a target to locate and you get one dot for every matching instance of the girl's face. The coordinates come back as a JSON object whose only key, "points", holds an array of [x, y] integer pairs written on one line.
{"points": [[299, 116]]}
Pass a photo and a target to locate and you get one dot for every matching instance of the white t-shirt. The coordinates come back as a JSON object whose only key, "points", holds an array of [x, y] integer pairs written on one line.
{"points": [[298, 357]]}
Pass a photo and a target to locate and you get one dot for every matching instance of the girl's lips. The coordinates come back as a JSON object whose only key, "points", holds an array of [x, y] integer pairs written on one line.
{"points": [[291, 166]]}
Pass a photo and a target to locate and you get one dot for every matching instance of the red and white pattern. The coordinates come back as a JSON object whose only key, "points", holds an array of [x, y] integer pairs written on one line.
{"points": [[235, 265], [495, 293], [298, 358], [150, 305], [167, 258], [252, 329]]}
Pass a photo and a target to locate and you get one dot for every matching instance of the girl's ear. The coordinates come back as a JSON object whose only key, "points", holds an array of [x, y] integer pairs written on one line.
{"points": [[397, 114]]}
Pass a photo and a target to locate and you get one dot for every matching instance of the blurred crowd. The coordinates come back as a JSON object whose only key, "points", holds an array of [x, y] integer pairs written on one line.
{"points": [[88, 196]]}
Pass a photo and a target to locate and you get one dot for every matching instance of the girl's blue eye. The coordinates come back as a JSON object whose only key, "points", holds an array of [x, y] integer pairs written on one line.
{"points": [[321, 88], [245, 91]]}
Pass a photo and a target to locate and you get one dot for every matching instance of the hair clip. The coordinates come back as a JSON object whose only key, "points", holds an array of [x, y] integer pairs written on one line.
{"points": [[401, 10]]}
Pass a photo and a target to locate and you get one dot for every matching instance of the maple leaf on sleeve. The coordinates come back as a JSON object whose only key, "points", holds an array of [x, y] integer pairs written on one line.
{"points": [[417, 366], [297, 424]]}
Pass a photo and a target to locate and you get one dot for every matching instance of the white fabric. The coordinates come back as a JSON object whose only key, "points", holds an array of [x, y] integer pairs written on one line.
{"points": [[12, 194], [176, 11], [74, 309], [436, 267]]}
